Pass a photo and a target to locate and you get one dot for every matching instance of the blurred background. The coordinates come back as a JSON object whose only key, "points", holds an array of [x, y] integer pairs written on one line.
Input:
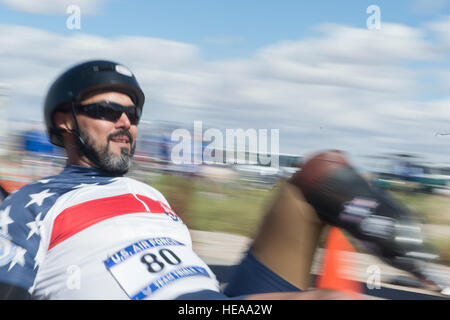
{"points": [[326, 74]]}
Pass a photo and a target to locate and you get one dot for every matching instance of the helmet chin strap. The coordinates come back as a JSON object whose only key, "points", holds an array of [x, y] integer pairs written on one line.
{"points": [[84, 148], [76, 132]]}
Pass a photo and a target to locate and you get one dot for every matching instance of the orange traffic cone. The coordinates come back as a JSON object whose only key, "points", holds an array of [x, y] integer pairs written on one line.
{"points": [[10, 185], [335, 265]]}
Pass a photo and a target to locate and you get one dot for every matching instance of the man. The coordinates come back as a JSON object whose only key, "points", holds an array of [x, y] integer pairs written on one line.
{"points": [[91, 233]]}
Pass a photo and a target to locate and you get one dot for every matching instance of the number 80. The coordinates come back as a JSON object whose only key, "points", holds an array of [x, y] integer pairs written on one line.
{"points": [[155, 265]]}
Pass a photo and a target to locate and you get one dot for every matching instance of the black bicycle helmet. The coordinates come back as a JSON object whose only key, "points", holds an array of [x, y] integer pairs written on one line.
{"points": [[83, 80]]}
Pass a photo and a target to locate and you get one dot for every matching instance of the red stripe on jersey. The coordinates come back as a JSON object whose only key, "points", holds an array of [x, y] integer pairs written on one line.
{"points": [[81, 216]]}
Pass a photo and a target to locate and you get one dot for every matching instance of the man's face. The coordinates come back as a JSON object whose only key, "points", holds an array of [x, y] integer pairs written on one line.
{"points": [[108, 144]]}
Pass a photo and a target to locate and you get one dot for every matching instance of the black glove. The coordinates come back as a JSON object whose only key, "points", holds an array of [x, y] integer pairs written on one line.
{"points": [[343, 198]]}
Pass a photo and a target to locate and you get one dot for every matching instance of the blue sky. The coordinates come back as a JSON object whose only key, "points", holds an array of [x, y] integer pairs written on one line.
{"points": [[223, 29], [309, 68]]}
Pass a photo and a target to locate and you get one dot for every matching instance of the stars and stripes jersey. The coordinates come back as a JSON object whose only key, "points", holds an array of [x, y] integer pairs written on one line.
{"points": [[83, 234]]}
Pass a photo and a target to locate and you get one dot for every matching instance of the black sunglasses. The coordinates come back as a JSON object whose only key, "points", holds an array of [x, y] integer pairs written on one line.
{"points": [[110, 111]]}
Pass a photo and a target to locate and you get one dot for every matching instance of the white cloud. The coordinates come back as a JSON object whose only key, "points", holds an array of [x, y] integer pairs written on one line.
{"points": [[53, 6], [441, 29], [348, 88]]}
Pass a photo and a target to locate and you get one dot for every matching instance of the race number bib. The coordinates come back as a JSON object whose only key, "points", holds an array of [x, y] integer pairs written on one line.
{"points": [[149, 265]]}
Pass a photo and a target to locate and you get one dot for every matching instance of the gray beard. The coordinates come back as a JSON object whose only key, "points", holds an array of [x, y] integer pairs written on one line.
{"points": [[103, 158]]}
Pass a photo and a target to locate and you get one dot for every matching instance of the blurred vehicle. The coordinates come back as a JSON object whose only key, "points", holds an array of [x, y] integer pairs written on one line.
{"points": [[288, 164], [256, 174], [405, 172]]}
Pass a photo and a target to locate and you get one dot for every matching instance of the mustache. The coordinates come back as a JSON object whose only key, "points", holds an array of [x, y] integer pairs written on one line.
{"points": [[121, 132]]}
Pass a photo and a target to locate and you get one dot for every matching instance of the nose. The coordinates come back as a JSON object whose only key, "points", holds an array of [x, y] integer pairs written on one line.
{"points": [[123, 122]]}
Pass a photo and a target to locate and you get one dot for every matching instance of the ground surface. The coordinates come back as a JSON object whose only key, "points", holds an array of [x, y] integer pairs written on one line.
{"points": [[224, 250]]}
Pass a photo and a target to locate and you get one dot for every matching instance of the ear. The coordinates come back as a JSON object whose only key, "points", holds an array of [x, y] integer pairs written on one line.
{"points": [[63, 121]]}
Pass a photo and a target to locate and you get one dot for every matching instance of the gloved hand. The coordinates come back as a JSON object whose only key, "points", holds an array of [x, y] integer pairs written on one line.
{"points": [[343, 198]]}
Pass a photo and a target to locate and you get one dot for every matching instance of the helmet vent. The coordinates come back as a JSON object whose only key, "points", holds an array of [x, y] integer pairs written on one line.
{"points": [[102, 68]]}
